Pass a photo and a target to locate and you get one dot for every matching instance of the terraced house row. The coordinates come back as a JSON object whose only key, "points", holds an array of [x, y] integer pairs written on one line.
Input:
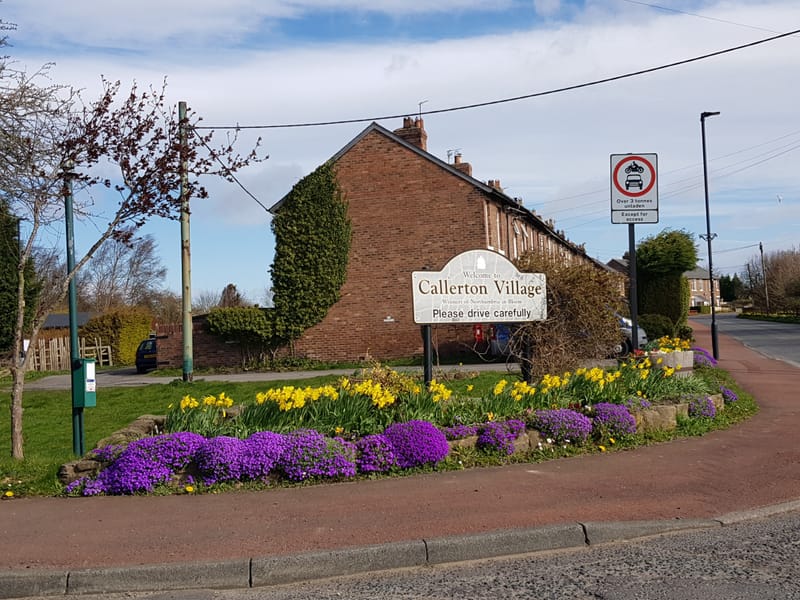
{"points": [[412, 211]]}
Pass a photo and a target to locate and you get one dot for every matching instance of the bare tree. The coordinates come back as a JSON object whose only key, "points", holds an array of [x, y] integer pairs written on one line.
{"points": [[204, 301], [777, 278], [122, 274], [231, 298], [46, 129]]}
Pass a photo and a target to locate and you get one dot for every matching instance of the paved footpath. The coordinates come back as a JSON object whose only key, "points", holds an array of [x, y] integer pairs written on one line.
{"points": [[83, 545]]}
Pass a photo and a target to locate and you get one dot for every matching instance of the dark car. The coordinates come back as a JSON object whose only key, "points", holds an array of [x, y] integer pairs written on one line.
{"points": [[146, 355]]}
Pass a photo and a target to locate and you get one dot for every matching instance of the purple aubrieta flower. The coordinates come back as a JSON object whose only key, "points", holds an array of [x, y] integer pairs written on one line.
{"points": [[260, 454], [144, 464], [375, 454], [612, 419], [417, 443], [308, 454], [459, 432], [500, 435], [728, 395], [702, 407], [636, 403], [563, 425], [219, 459], [702, 358]]}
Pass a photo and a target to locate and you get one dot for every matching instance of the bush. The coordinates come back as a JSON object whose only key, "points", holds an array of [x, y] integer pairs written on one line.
{"points": [[611, 420], [580, 320], [122, 329], [310, 454], [563, 425], [375, 454], [500, 436], [416, 443], [684, 332], [656, 326]]}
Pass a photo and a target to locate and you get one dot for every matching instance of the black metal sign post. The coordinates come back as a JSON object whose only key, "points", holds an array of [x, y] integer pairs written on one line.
{"points": [[427, 355], [632, 295]]}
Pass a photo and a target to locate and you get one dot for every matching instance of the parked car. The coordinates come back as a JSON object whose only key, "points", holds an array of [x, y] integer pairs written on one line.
{"points": [[146, 355], [626, 344]]}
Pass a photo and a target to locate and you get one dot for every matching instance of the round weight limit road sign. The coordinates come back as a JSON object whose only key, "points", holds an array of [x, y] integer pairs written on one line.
{"points": [[634, 176]]}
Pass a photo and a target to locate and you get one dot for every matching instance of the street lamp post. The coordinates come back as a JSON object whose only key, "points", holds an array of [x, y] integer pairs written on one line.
{"points": [[709, 236]]}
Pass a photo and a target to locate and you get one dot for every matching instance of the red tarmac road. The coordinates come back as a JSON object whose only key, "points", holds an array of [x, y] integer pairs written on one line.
{"points": [[752, 465]]}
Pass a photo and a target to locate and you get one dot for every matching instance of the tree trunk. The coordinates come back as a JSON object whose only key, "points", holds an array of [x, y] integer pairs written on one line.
{"points": [[18, 375]]}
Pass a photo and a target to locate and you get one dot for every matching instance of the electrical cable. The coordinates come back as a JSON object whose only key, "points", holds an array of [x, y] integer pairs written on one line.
{"points": [[228, 171], [516, 98], [683, 12]]}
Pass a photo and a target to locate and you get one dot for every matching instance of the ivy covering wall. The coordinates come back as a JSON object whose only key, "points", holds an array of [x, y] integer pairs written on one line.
{"points": [[312, 244]]}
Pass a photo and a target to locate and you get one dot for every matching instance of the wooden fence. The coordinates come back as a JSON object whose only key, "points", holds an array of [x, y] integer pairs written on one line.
{"points": [[53, 354]]}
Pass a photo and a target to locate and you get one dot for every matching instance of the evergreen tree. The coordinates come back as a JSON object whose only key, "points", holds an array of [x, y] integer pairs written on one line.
{"points": [[661, 261]]}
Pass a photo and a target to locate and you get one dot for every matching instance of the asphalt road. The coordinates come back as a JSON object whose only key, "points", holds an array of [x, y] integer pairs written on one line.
{"points": [[775, 340], [750, 560]]}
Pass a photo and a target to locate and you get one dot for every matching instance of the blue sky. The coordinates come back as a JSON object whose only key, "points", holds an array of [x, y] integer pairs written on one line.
{"points": [[292, 61]]}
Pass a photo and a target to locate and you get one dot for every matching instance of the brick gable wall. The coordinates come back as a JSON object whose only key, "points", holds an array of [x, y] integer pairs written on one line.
{"points": [[407, 213]]}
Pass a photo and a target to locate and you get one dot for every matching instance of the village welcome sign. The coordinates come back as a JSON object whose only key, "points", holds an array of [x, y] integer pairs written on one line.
{"points": [[478, 286]]}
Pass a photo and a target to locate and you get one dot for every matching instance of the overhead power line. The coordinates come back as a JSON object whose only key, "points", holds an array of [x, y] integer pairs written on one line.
{"points": [[515, 98], [683, 12]]}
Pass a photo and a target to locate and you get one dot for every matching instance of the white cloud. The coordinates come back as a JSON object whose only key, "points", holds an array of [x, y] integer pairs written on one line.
{"points": [[552, 151]]}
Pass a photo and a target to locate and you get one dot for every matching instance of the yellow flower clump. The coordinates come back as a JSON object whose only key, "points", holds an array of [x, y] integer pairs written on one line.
{"points": [[290, 397], [672, 344], [439, 391], [380, 396], [520, 389]]}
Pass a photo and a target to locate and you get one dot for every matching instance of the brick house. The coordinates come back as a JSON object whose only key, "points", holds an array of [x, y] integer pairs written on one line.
{"points": [[699, 286], [411, 211]]}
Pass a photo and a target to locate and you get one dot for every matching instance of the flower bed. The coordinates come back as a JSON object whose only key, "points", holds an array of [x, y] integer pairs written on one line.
{"points": [[388, 424]]}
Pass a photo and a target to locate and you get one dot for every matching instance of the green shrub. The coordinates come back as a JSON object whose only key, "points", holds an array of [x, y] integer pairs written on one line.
{"points": [[122, 329], [685, 332], [656, 326]]}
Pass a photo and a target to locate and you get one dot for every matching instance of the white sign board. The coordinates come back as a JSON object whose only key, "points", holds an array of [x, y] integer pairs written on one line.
{"points": [[634, 188], [478, 286]]}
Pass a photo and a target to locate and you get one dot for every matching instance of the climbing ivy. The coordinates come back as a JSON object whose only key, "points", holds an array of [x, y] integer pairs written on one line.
{"points": [[312, 243]]}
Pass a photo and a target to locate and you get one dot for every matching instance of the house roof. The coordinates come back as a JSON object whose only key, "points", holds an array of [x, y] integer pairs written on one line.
{"points": [[489, 190], [61, 320], [697, 273]]}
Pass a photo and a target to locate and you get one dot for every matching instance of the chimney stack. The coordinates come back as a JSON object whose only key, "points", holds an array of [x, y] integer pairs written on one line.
{"points": [[495, 183], [413, 131], [464, 167]]}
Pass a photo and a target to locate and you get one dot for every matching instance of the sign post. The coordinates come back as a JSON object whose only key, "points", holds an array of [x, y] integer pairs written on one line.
{"points": [[634, 199]]}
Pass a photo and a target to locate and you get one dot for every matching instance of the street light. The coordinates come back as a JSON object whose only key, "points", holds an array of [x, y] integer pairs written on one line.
{"points": [[709, 236]]}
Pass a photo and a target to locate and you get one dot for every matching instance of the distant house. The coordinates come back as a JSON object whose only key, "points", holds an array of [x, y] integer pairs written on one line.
{"points": [[700, 288], [409, 211]]}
